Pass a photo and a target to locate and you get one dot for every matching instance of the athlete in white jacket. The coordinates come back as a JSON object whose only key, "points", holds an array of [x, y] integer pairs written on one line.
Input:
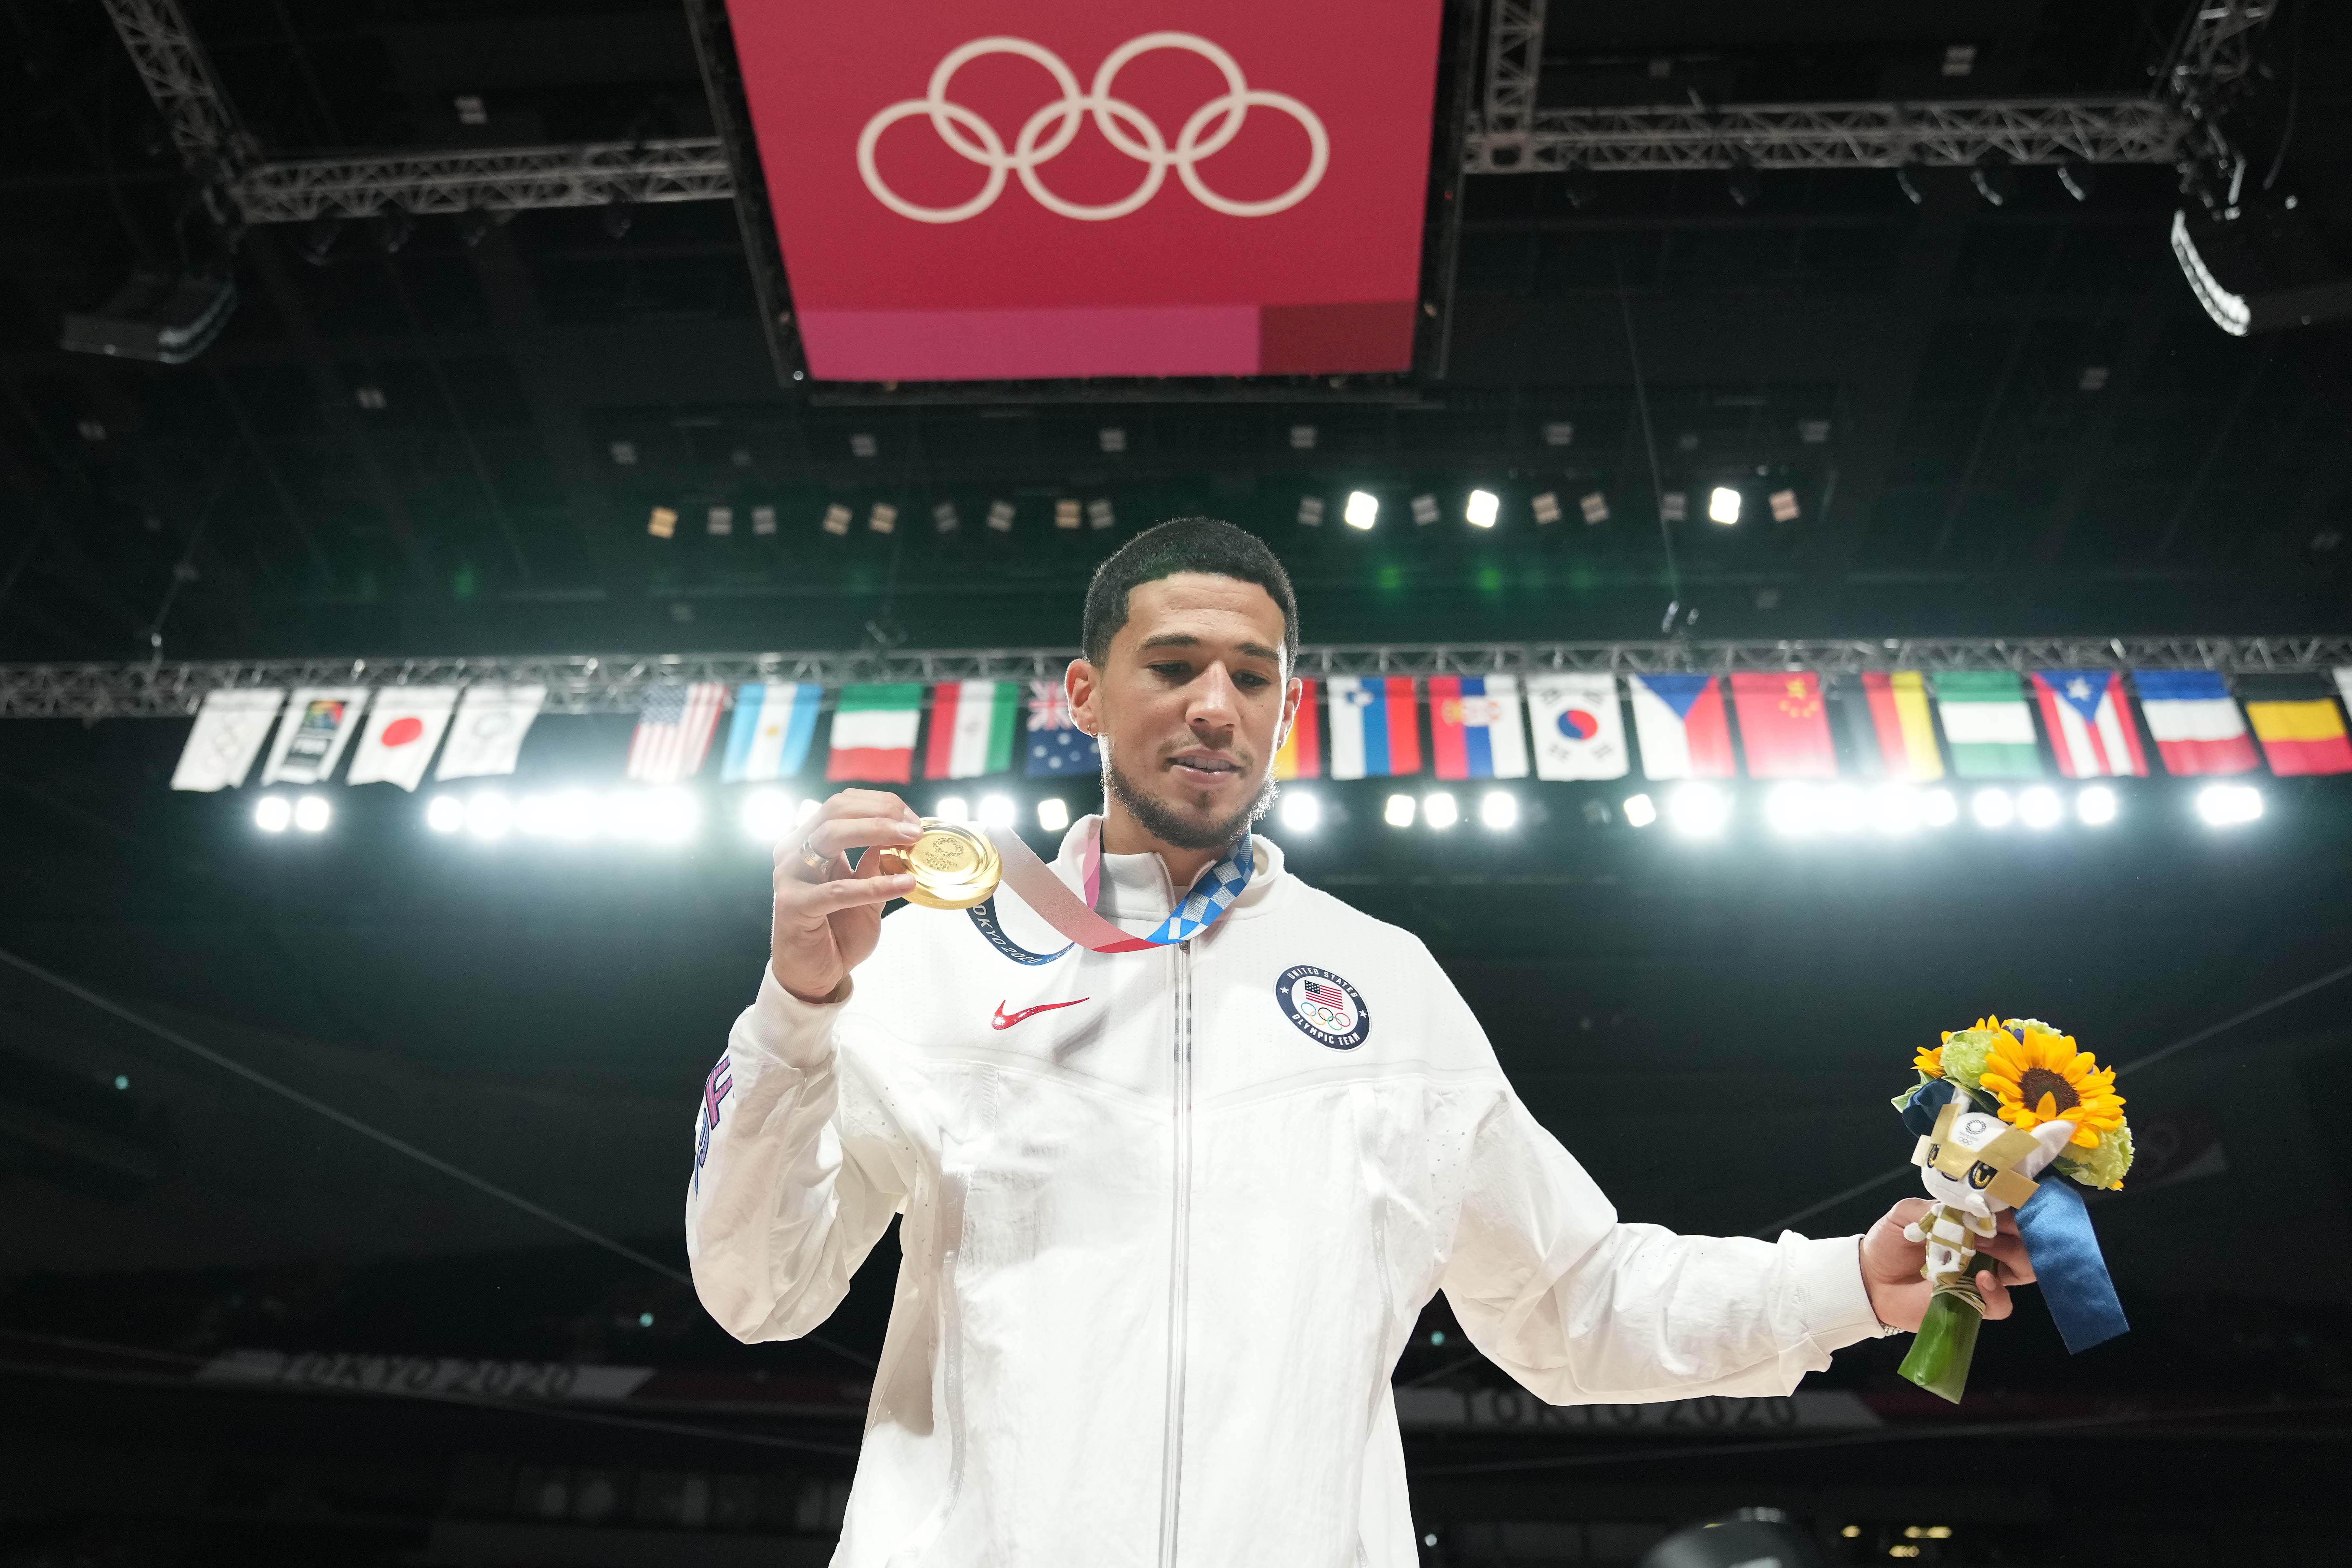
{"points": [[1171, 1215]]}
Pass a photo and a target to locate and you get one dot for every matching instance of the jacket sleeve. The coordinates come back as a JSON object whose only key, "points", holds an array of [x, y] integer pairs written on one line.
{"points": [[793, 1182], [1581, 1309]]}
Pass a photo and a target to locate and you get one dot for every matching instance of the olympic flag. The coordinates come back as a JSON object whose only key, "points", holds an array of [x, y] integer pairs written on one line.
{"points": [[1001, 189]]}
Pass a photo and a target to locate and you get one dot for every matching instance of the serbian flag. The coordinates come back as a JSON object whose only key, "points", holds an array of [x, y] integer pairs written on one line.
{"points": [[1680, 723], [1783, 725], [2302, 731], [1474, 727], [2089, 723], [1892, 732], [769, 737], [973, 726], [1375, 732], [2195, 722], [1301, 753], [874, 733]]}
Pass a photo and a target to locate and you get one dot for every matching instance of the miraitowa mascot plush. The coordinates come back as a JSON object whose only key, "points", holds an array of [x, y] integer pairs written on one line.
{"points": [[2009, 1100]]}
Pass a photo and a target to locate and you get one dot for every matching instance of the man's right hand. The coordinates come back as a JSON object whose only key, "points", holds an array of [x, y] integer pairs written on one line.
{"points": [[828, 921]]}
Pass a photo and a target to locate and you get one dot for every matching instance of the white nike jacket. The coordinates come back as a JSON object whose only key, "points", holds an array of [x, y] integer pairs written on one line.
{"points": [[1169, 1219]]}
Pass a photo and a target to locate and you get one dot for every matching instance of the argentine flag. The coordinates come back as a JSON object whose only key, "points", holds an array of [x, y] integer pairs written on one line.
{"points": [[775, 722]]}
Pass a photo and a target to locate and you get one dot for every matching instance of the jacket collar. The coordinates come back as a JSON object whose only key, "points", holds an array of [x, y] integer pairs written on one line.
{"points": [[1266, 869]]}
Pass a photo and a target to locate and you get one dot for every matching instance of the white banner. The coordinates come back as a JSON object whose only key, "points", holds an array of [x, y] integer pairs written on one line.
{"points": [[1579, 728], [404, 728], [486, 737], [320, 720], [228, 734]]}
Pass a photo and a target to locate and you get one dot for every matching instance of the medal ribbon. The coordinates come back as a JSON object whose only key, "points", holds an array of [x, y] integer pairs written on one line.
{"points": [[1076, 919]]}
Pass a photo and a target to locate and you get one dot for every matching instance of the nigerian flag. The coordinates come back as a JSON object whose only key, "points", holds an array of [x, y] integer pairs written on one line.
{"points": [[1989, 723]]}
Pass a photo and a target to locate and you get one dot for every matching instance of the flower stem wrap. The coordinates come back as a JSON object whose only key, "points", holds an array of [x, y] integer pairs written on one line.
{"points": [[1945, 1344]]}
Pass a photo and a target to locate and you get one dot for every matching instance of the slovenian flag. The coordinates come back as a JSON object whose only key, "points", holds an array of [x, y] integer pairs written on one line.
{"points": [[1474, 727], [874, 733], [1300, 755], [2089, 723], [769, 736], [1678, 719], [1375, 732], [2194, 720], [973, 726]]}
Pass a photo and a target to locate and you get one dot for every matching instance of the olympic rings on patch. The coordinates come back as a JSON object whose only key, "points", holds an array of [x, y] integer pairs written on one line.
{"points": [[1052, 128]]}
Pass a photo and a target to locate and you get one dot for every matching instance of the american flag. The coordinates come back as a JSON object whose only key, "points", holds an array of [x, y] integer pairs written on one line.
{"points": [[1329, 996], [674, 729], [1056, 746]]}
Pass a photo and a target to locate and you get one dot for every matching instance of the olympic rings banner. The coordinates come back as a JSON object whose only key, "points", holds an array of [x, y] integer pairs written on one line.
{"points": [[991, 189]]}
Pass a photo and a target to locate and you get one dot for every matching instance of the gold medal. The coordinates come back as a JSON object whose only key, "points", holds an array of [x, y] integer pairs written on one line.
{"points": [[955, 867]]}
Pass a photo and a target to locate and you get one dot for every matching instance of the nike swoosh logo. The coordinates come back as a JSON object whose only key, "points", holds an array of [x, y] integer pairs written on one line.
{"points": [[1004, 1020]]}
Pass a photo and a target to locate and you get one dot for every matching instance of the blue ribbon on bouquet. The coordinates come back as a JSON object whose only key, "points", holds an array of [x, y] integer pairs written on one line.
{"points": [[2056, 1225]]}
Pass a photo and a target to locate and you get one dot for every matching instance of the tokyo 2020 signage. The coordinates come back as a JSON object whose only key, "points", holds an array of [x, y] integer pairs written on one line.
{"points": [[1003, 190]]}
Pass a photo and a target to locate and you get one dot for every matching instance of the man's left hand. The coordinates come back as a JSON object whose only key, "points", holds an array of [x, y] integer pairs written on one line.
{"points": [[1891, 1266]]}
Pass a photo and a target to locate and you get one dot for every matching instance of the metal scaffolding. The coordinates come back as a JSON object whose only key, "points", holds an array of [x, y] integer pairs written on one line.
{"points": [[618, 683], [177, 76], [595, 173]]}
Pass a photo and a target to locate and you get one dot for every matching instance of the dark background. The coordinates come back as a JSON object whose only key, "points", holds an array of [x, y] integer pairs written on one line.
{"points": [[542, 1017]]}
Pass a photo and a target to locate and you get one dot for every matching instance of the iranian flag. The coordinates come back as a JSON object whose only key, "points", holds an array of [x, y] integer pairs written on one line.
{"points": [[1783, 726], [1301, 754], [1987, 724], [973, 726], [2194, 720], [874, 733]]}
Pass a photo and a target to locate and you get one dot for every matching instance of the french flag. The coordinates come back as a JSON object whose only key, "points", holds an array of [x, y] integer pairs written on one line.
{"points": [[1680, 723], [2089, 723], [1474, 727], [1375, 731], [2194, 720]]}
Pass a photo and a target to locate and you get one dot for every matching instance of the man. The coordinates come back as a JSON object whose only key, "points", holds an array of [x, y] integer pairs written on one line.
{"points": [[1171, 1215]]}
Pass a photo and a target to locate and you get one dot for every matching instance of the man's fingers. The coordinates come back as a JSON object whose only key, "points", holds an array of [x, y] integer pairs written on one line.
{"points": [[1995, 1294], [831, 837], [863, 802], [821, 898], [2008, 1251]]}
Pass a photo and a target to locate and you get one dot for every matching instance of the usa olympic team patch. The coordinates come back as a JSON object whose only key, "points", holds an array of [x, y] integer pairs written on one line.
{"points": [[1327, 1009]]}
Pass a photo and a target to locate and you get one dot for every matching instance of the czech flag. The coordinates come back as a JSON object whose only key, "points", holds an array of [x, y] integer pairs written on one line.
{"points": [[1375, 731], [1680, 723], [2194, 720], [1474, 727], [2089, 723]]}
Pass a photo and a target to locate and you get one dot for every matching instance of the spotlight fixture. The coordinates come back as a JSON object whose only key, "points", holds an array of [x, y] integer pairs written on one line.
{"points": [[2039, 808], [765, 815], [996, 810], [1674, 506], [1595, 508], [1053, 813], [719, 520], [1723, 505], [1066, 515], [445, 814], [1995, 178], [1579, 186], [392, 228], [2079, 176], [1640, 810], [883, 518], [1300, 812], [473, 226], [1482, 507], [1400, 811], [273, 814], [1895, 810], [1740, 180], [1302, 437], [662, 522], [1099, 514], [1911, 178], [945, 519], [1559, 433], [1784, 506], [2095, 805], [1111, 439], [862, 444], [1363, 510], [1698, 810], [1546, 508], [317, 245], [836, 519], [489, 816], [2228, 806], [1000, 517], [1993, 808], [1311, 511], [1939, 809], [1498, 811], [619, 213], [1440, 810], [1792, 811], [1424, 510], [312, 813]]}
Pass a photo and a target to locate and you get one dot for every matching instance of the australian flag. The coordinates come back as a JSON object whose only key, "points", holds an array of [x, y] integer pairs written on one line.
{"points": [[1056, 746]]}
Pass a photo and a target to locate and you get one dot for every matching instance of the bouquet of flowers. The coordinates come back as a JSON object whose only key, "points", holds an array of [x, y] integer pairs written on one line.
{"points": [[1996, 1105]]}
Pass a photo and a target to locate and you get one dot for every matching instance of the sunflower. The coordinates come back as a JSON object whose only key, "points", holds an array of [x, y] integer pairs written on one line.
{"points": [[1930, 1059], [1964, 1052], [2038, 1076]]}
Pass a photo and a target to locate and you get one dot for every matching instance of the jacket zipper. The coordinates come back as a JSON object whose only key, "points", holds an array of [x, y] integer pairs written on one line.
{"points": [[1171, 1477]]}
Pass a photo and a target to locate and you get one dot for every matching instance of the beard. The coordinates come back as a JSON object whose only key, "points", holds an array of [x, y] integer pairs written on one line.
{"points": [[1168, 823]]}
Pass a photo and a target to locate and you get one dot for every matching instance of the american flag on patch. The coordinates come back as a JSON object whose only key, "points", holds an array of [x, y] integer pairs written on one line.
{"points": [[1056, 745], [674, 729], [1329, 996]]}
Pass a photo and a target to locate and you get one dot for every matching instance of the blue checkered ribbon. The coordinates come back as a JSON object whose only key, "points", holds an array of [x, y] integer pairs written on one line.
{"points": [[1202, 908]]}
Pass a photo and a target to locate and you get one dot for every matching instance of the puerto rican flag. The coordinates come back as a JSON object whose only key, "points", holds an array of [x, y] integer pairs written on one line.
{"points": [[2089, 723], [1375, 732], [2194, 720], [1474, 727], [1679, 721]]}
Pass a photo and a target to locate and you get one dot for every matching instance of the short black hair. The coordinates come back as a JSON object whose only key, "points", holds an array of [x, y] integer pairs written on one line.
{"points": [[1184, 544]]}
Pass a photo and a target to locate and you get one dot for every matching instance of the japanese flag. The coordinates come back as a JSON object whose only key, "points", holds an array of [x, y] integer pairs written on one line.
{"points": [[403, 731]]}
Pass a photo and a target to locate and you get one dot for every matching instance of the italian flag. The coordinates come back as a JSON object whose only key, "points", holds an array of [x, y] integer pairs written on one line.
{"points": [[1989, 724], [973, 723], [874, 733]]}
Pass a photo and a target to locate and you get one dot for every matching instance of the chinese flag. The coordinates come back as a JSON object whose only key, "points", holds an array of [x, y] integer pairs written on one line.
{"points": [[1783, 725]]}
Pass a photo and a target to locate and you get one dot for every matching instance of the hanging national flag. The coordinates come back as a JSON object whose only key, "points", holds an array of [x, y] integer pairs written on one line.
{"points": [[2089, 723], [319, 723], [1474, 727], [1891, 729], [1055, 746], [1375, 731], [675, 724], [2301, 729], [973, 727], [1988, 724], [405, 725], [1301, 753], [1579, 732], [486, 737], [2195, 722], [874, 733], [1784, 727], [1680, 723], [229, 731], [769, 734]]}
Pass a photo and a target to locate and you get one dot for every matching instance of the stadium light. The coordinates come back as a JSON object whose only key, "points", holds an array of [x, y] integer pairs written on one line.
{"points": [[1793, 811], [1400, 811], [1939, 809], [1698, 810], [1440, 810], [1053, 813], [1839, 808], [1723, 505], [1484, 505], [312, 813], [445, 814], [1895, 810], [672, 816], [766, 815], [1363, 510], [1993, 808], [996, 810], [1641, 810], [273, 814], [2040, 808], [1498, 810], [489, 816], [951, 808], [2095, 805], [1300, 812], [2228, 806]]}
